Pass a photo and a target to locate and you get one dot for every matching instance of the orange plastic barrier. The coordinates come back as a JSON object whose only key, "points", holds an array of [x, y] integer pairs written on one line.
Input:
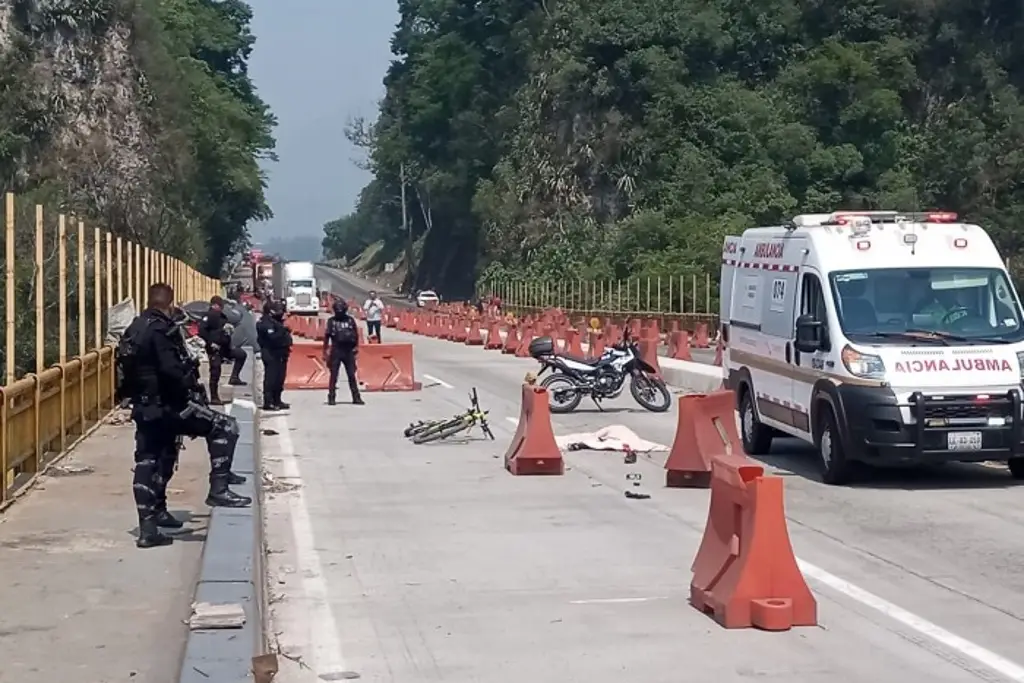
{"points": [[705, 428], [494, 341], [524, 343], [473, 337], [533, 449], [460, 333], [679, 346], [572, 343], [649, 353], [700, 336], [387, 367], [511, 340], [306, 368], [745, 573]]}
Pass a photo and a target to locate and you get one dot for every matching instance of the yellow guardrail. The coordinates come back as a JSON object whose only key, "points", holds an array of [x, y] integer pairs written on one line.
{"points": [[60, 279], [688, 298]]}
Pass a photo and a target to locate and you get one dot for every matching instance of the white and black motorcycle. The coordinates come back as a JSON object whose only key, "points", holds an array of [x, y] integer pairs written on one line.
{"points": [[601, 378]]}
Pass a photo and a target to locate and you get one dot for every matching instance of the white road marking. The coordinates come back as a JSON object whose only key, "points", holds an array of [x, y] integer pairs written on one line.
{"points": [[438, 381], [245, 403], [615, 601], [325, 642], [986, 658], [990, 660], [322, 628]]}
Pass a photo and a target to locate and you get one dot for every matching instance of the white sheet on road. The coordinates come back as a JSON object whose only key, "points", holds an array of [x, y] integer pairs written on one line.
{"points": [[612, 438]]}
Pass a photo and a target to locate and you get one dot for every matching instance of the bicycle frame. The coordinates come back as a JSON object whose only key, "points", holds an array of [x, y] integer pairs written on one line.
{"points": [[472, 417]]}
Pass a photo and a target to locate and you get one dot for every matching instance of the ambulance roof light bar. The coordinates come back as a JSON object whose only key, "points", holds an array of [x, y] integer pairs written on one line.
{"points": [[839, 218]]}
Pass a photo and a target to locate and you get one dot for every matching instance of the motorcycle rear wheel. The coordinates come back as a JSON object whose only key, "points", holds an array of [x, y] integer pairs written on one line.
{"points": [[568, 396]]}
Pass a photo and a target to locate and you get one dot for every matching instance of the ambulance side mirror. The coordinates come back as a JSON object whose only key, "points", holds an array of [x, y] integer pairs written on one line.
{"points": [[808, 334]]}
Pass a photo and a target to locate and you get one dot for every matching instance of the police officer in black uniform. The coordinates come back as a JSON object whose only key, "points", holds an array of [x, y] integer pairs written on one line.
{"points": [[213, 331], [163, 386], [341, 346], [275, 341]]}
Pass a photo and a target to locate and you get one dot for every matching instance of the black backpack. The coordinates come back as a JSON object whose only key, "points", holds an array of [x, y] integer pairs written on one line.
{"points": [[126, 359]]}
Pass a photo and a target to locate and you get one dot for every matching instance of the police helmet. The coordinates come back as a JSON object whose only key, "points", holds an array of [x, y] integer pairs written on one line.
{"points": [[340, 307]]}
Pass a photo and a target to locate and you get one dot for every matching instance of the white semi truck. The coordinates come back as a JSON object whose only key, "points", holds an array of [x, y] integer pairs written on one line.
{"points": [[300, 288]]}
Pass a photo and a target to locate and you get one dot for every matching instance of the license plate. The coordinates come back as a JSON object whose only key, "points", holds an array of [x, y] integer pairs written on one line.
{"points": [[964, 441]]}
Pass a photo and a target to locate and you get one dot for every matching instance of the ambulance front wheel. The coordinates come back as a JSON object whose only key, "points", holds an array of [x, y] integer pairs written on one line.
{"points": [[835, 468], [757, 439]]}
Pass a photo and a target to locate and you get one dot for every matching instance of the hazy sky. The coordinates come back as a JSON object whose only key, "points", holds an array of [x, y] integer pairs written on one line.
{"points": [[317, 63]]}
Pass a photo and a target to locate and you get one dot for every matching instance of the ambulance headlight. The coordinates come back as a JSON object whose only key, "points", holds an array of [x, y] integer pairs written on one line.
{"points": [[863, 365], [1020, 364]]}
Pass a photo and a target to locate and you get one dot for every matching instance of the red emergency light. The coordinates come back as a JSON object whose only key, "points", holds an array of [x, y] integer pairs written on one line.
{"points": [[940, 217], [849, 217]]}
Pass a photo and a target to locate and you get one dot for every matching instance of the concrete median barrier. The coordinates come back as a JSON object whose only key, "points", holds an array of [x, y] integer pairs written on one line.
{"points": [[232, 573]]}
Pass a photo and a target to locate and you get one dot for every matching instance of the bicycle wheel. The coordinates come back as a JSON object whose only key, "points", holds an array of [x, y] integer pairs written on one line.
{"points": [[437, 426], [419, 427], [443, 433], [487, 430]]}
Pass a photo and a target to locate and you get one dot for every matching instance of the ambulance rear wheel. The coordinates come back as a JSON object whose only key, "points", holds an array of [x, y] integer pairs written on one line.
{"points": [[835, 468], [1016, 467], [757, 439]]}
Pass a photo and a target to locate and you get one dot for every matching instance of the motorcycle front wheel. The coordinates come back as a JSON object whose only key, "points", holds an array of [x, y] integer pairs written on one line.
{"points": [[650, 392], [563, 393]]}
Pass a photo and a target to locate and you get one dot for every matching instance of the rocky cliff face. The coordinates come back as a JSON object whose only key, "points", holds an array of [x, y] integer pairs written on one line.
{"points": [[78, 121]]}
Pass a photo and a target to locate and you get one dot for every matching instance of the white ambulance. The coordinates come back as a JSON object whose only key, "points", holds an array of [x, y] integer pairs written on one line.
{"points": [[880, 337]]}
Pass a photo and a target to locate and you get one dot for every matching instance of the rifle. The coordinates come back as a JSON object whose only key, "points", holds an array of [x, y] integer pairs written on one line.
{"points": [[201, 410]]}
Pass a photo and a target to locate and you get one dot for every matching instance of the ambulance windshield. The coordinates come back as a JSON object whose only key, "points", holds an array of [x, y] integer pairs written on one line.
{"points": [[963, 304]]}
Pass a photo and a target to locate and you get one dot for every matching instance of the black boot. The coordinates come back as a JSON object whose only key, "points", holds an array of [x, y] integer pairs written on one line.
{"points": [[331, 399], [215, 396], [236, 382], [150, 535], [357, 400], [281, 405], [235, 479], [222, 497], [166, 520]]}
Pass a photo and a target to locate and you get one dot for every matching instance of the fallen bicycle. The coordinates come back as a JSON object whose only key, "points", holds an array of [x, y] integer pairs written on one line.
{"points": [[437, 430]]}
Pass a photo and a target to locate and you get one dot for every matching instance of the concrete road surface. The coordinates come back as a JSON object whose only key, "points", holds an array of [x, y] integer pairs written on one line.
{"points": [[407, 563], [353, 287]]}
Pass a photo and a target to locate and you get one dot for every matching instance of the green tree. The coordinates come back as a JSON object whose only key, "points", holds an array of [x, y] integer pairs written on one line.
{"points": [[137, 116], [580, 139]]}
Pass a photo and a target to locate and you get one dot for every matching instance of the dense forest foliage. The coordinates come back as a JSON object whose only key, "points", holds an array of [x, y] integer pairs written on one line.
{"points": [[137, 117], [571, 138]]}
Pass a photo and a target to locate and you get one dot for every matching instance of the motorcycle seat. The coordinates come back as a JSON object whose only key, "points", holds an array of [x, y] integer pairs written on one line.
{"points": [[579, 359]]}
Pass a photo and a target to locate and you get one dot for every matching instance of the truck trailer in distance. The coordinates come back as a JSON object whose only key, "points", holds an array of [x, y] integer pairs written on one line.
{"points": [[300, 288]]}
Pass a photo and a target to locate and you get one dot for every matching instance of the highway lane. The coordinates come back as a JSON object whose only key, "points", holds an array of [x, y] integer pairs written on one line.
{"points": [[435, 565], [354, 287]]}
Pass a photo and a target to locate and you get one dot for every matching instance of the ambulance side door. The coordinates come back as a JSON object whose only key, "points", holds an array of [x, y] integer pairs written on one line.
{"points": [[775, 396], [809, 366]]}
